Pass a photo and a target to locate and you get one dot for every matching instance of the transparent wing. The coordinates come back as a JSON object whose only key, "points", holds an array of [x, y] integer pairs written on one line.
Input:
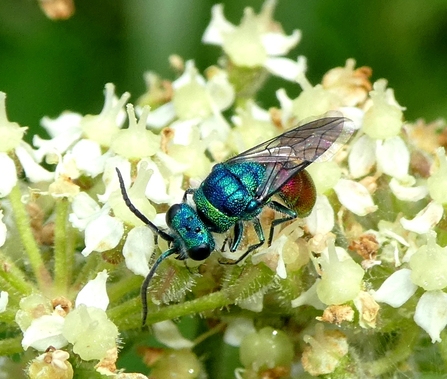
{"points": [[292, 151]]}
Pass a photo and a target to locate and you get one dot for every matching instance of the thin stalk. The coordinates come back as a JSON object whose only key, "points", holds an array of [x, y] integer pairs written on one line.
{"points": [[402, 350], [26, 235], [127, 315], [61, 267], [10, 346], [15, 277], [119, 289]]}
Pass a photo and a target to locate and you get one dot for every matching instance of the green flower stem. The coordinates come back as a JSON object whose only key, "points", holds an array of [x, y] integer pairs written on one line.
{"points": [[403, 349], [127, 315], [10, 346], [61, 267], [119, 289], [8, 316], [92, 266], [442, 347], [24, 228], [15, 277], [251, 280]]}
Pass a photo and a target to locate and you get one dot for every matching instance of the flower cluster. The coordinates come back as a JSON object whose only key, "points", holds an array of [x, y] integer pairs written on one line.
{"points": [[368, 262]]}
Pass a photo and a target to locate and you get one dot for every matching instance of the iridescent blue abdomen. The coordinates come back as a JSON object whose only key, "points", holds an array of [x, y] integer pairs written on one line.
{"points": [[227, 195]]}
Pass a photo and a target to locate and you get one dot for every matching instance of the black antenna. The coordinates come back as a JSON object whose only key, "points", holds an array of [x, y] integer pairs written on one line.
{"points": [[158, 232]]}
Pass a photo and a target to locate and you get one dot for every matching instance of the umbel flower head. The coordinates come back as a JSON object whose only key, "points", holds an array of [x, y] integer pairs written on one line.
{"points": [[365, 266]]}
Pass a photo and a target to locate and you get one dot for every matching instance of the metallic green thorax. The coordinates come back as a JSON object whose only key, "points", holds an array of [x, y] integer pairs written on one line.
{"points": [[228, 195]]}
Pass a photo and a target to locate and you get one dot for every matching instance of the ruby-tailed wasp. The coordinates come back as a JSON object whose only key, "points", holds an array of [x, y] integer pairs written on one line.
{"points": [[236, 191]]}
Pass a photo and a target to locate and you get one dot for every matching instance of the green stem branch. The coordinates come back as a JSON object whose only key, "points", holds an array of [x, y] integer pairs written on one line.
{"points": [[31, 248], [15, 277], [61, 267], [402, 350], [10, 346]]}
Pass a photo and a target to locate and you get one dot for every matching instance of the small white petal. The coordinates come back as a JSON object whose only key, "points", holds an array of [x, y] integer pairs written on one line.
{"points": [[110, 177], [221, 90], [84, 210], [217, 27], [276, 44], [168, 334], [431, 313], [34, 172], [138, 249], [286, 104], [237, 329], [286, 68], [44, 332], [393, 157], [9, 174], [3, 230], [102, 234], [403, 190], [64, 132], [355, 197], [321, 219], [362, 156], [94, 293], [425, 220], [4, 297], [396, 289], [66, 124], [253, 303], [189, 75], [160, 117], [309, 297], [87, 155]]}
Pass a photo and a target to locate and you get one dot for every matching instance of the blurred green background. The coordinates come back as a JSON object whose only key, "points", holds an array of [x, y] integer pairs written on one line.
{"points": [[49, 66]]}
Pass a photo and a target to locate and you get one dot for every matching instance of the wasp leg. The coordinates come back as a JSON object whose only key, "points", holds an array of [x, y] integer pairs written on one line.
{"points": [[238, 234], [290, 215], [189, 191], [240, 228]]}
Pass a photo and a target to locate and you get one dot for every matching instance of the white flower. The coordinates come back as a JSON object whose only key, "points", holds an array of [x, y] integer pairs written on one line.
{"points": [[309, 297], [4, 297], [102, 234], [88, 157], [101, 128], [237, 329], [321, 219], [425, 220], [138, 249], [11, 132], [168, 334], [64, 132], [396, 289], [393, 157], [431, 313], [136, 142], [85, 209], [34, 172], [45, 331], [403, 189], [9, 174], [256, 42], [52, 329], [362, 156], [355, 197], [341, 279], [383, 118], [94, 293]]}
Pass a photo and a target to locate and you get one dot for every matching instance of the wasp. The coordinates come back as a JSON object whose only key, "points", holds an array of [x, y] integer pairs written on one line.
{"points": [[236, 191]]}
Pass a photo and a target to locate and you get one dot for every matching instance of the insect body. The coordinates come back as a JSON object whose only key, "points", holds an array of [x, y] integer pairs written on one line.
{"points": [[237, 190]]}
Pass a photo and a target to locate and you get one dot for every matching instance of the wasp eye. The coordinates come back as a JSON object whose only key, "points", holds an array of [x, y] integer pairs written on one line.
{"points": [[199, 253], [171, 213]]}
